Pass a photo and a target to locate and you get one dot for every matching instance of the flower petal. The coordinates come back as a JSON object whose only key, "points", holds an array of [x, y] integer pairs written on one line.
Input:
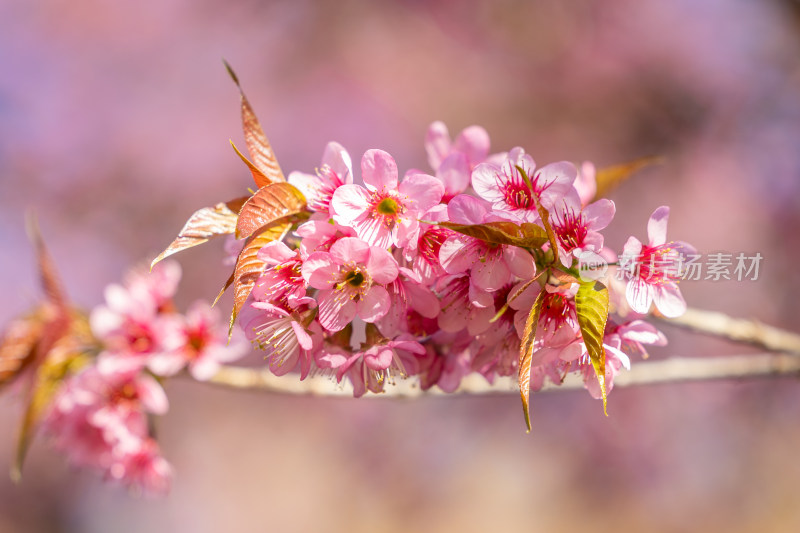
{"points": [[669, 300], [335, 310], [437, 144], [379, 170], [336, 157], [349, 203], [490, 275], [374, 304], [657, 226], [473, 142], [381, 266], [639, 295], [421, 192], [320, 270]]}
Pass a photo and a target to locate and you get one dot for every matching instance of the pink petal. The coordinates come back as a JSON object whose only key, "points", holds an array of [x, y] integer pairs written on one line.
{"points": [[632, 249], [378, 170], [554, 181], [641, 331], [474, 143], [490, 275], [486, 182], [519, 262], [599, 214], [454, 173], [349, 203], [275, 253], [203, 369], [586, 183], [308, 184], [464, 209], [437, 144], [350, 249], [422, 300], [374, 304], [422, 192], [303, 338], [455, 256], [152, 395], [336, 157], [669, 301], [657, 226], [379, 359], [335, 310], [639, 295], [320, 270], [381, 266]]}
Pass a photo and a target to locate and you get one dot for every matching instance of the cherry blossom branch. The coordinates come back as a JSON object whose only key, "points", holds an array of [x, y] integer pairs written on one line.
{"points": [[673, 370], [785, 363], [738, 330]]}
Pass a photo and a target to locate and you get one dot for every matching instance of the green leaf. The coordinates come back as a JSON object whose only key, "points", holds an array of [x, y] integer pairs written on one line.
{"points": [[610, 177], [526, 235], [526, 356], [591, 304]]}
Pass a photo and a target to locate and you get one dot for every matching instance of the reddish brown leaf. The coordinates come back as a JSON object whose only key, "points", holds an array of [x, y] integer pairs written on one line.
{"points": [[258, 176], [526, 235], [204, 224], [526, 356], [64, 356], [610, 177], [249, 267], [18, 344], [267, 205], [48, 276], [257, 143]]}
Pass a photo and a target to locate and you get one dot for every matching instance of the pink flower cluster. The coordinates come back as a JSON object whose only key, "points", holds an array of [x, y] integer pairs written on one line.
{"points": [[373, 286], [100, 416]]}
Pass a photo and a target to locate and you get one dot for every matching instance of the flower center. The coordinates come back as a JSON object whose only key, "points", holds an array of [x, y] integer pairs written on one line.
{"points": [[354, 278], [388, 206]]}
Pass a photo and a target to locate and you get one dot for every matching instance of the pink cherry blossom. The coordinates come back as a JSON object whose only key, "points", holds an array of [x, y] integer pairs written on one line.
{"points": [[142, 469], [336, 170], [490, 265], [374, 367], [578, 228], [472, 144], [282, 282], [384, 213], [512, 195], [653, 271], [350, 280], [406, 293], [204, 347], [288, 339]]}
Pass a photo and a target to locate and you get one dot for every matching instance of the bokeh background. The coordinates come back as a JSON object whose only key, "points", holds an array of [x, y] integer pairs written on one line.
{"points": [[114, 125]]}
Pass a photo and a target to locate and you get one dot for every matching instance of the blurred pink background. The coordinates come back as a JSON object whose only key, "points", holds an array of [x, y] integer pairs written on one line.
{"points": [[114, 126]]}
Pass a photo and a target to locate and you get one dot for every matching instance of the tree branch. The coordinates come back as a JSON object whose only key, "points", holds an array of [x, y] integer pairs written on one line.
{"points": [[784, 363], [738, 330], [673, 370]]}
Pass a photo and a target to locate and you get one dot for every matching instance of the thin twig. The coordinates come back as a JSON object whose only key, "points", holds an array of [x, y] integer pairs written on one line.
{"points": [[738, 330], [673, 370]]}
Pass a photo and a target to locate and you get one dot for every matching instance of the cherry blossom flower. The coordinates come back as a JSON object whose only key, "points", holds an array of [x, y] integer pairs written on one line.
{"points": [[490, 265], [350, 280], [384, 213], [653, 270], [204, 347], [586, 182], [512, 195], [373, 368], [471, 145], [422, 249], [578, 228], [282, 282], [336, 170], [288, 338], [142, 469]]}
